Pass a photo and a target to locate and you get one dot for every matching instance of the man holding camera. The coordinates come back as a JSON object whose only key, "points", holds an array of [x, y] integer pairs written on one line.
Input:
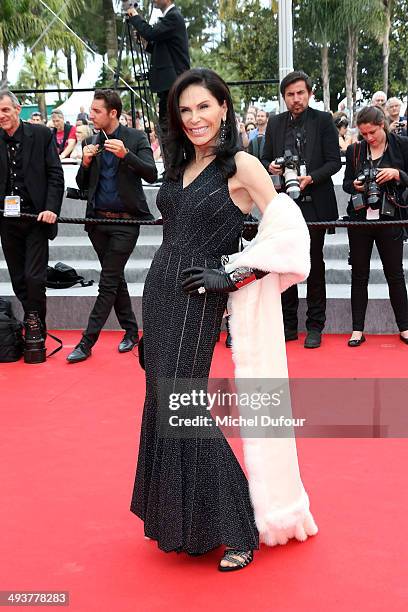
{"points": [[113, 164], [31, 181], [311, 137], [167, 42], [397, 125]]}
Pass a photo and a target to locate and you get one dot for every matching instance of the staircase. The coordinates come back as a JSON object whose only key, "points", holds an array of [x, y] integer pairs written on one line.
{"points": [[70, 308]]}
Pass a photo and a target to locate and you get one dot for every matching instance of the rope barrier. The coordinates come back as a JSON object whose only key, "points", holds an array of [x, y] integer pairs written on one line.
{"points": [[158, 222]]}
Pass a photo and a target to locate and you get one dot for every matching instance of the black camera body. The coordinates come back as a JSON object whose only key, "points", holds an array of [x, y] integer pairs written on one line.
{"points": [[290, 165], [374, 196], [400, 128], [128, 4], [372, 190], [76, 194]]}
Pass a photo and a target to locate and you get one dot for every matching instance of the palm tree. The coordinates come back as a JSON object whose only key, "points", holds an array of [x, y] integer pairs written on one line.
{"points": [[39, 73], [389, 6], [322, 17], [17, 23], [353, 18]]}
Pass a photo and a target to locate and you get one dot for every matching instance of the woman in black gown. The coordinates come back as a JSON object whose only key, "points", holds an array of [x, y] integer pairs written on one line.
{"points": [[192, 493]]}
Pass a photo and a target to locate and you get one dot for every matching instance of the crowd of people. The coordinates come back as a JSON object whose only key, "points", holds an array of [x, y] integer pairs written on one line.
{"points": [[191, 491], [253, 124], [69, 137]]}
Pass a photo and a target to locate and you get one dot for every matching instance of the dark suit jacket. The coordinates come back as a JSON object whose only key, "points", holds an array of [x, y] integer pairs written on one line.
{"points": [[356, 154], [168, 44], [322, 159], [136, 164], [43, 174]]}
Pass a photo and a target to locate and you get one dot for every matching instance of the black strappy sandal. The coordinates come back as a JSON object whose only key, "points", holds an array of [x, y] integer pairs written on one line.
{"points": [[230, 554]]}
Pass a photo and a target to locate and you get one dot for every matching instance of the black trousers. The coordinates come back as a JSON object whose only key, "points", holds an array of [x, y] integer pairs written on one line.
{"points": [[163, 124], [114, 245], [316, 290], [25, 247], [163, 95], [389, 244]]}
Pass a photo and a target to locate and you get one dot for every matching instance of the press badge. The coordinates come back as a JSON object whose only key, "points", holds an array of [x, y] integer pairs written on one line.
{"points": [[12, 206], [372, 215]]}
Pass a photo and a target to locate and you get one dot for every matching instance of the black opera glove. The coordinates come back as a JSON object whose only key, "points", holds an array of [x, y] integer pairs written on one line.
{"points": [[217, 280]]}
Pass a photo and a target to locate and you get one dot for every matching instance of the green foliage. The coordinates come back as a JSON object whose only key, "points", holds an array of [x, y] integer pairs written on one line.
{"points": [[237, 38]]}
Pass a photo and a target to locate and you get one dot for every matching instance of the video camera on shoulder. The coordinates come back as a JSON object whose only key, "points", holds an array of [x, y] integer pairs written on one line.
{"points": [[291, 167]]}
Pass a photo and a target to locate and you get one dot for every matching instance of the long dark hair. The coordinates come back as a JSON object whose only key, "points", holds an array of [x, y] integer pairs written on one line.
{"points": [[374, 115], [179, 150]]}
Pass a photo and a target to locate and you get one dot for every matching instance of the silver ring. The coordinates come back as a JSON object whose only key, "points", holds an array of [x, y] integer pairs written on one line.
{"points": [[201, 290]]}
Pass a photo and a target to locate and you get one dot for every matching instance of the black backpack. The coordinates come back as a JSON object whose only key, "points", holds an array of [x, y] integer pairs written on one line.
{"points": [[62, 276], [11, 334]]}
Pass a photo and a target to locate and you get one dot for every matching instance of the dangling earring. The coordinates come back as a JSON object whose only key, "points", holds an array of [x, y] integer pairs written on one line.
{"points": [[223, 133]]}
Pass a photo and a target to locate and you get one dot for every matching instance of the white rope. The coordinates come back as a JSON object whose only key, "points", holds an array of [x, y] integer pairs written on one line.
{"points": [[87, 46], [48, 26]]}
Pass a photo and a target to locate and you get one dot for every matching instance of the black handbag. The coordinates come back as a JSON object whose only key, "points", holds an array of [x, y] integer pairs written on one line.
{"points": [[11, 334], [62, 276]]}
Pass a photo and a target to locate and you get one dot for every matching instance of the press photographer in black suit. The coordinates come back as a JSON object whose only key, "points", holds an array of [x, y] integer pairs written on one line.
{"points": [[30, 169], [167, 42], [381, 159], [113, 164], [311, 134]]}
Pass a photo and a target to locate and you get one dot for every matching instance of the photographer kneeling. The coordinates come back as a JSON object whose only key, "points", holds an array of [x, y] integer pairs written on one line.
{"points": [[376, 176]]}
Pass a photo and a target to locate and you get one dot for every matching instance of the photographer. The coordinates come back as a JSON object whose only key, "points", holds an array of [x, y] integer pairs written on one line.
{"points": [[167, 42], [31, 181], [396, 122], [310, 135], [376, 175]]}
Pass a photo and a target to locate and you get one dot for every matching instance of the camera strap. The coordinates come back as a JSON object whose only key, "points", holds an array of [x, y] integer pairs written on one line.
{"points": [[377, 161]]}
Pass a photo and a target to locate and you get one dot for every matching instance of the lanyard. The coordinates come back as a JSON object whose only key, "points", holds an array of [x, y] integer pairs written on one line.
{"points": [[11, 154], [379, 160]]}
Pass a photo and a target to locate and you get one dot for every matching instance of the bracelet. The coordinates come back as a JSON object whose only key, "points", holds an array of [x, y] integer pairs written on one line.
{"points": [[242, 276]]}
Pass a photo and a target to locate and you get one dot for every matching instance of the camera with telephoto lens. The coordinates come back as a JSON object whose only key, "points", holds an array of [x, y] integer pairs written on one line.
{"points": [[372, 190], [290, 165]]}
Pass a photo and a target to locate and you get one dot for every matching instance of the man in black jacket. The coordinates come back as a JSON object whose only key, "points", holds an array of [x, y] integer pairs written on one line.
{"points": [[32, 176], [113, 164], [311, 134], [167, 41]]}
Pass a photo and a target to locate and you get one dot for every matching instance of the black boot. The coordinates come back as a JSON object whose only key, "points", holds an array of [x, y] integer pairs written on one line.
{"points": [[228, 340], [34, 340]]}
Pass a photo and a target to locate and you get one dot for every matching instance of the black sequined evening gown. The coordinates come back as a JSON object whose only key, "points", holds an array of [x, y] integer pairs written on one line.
{"points": [[191, 493]]}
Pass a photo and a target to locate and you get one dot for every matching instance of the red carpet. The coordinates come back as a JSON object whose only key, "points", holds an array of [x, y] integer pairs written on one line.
{"points": [[68, 453]]}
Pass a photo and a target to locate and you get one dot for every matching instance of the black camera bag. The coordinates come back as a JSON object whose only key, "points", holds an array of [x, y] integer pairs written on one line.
{"points": [[62, 276], [11, 334]]}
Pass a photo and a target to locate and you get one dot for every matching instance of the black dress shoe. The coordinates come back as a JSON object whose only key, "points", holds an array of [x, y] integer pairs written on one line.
{"points": [[313, 339], [128, 344], [356, 342], [404, 340], [291, 334], [81, 352]]}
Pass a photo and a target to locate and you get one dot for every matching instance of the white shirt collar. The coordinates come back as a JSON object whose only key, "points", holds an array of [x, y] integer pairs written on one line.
{"points": [[167, 10]]}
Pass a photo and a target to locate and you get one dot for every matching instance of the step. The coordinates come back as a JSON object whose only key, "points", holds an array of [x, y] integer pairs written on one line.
{"points": [[70, 308]]}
